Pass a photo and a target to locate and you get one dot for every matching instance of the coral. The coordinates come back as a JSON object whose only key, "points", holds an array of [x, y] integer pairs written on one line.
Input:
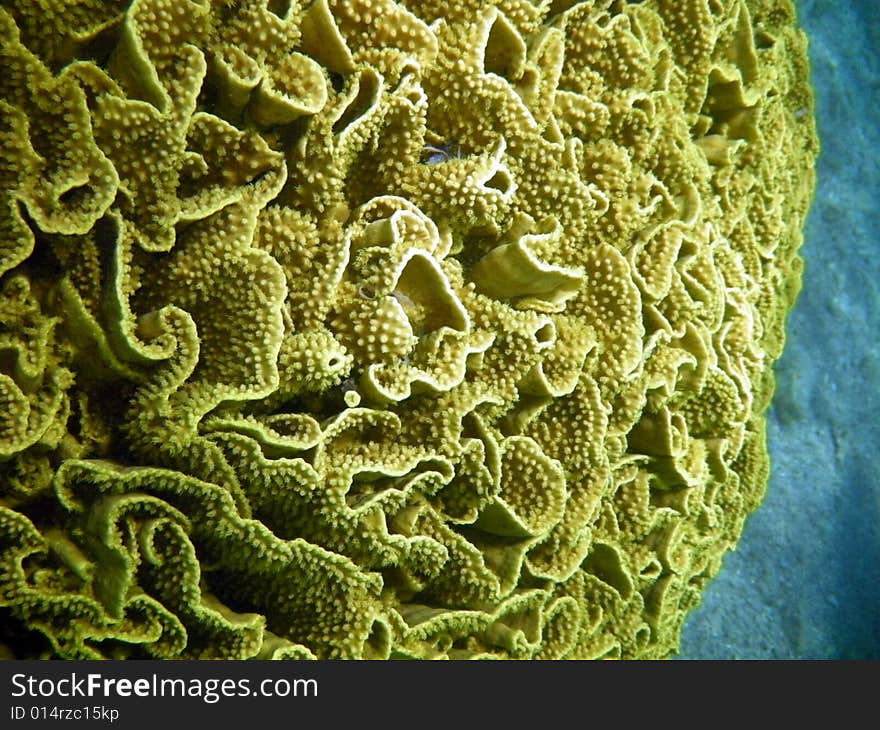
{"points": [[370, 329]]}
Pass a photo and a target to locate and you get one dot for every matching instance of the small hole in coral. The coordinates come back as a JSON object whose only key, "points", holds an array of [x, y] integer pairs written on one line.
{"points": [[74, 196], [500, 181], [529, 78], [367, 292], [645, 105], [545, 334], [279, 7], [763, 41], [337, 81]]}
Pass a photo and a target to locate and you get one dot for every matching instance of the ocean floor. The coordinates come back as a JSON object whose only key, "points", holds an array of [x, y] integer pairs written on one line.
{"points": [[804, 582]]}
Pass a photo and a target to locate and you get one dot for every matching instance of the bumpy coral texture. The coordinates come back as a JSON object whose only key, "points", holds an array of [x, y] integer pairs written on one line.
{"points": [[370, 329]]}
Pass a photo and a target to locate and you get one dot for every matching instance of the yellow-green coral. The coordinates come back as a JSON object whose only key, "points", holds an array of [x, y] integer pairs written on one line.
{"points": [[363, 328]]}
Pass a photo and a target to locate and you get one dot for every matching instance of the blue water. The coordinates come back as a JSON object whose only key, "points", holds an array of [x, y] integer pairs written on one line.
{"points": [[805, 580]]}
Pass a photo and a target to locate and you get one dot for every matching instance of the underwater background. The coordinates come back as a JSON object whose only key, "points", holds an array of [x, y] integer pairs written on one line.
{"points": [[804, 583]]}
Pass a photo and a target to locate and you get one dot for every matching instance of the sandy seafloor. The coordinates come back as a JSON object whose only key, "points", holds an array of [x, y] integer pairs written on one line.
{"points": [[804, 582]]}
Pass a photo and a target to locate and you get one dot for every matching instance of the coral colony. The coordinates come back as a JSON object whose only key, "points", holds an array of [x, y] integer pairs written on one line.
{"points": [[375, 329]]}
